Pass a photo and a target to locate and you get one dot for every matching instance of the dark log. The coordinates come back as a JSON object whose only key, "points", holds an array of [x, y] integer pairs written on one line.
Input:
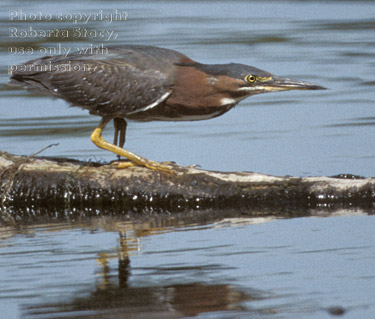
{"points": [[37, 185]]}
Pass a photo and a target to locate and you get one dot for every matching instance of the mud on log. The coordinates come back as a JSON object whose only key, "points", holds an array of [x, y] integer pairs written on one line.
{"points": [[38, 183]]}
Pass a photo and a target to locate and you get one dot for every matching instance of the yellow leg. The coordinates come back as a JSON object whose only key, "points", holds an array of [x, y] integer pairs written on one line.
{"points": [[97, 139]]}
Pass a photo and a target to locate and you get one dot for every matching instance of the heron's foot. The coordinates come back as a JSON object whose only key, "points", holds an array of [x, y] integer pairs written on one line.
{"points": [[149, 164], [135, 160]]}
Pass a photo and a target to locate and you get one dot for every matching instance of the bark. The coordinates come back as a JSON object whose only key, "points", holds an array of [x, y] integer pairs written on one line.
{"points": [[33, 186]]}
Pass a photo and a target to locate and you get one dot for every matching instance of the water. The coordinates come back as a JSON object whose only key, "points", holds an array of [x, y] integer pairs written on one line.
{"points": [[292, 268], [298, 268]]}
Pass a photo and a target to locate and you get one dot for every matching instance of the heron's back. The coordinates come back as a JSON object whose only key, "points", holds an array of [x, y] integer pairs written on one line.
{"points": [[122, 79]]}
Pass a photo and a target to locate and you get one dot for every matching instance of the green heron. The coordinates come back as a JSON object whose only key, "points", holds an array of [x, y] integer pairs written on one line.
{"points": [[146, 83]]}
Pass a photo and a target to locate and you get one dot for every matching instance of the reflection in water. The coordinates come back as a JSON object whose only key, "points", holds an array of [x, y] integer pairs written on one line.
{"points": [[116, 297], [173, 267]]}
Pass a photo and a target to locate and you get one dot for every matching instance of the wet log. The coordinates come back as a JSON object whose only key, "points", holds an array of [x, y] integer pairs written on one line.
{"points": [[64, 186]]}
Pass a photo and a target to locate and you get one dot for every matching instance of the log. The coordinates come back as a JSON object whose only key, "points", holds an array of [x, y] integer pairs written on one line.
{"points": [[33, 186]]}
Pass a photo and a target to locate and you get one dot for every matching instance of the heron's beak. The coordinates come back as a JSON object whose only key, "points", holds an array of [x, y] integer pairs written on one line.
{"points": [[283, 84]]}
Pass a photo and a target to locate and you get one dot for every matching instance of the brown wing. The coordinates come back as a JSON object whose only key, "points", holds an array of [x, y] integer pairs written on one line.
{"points": [[123, 80]]}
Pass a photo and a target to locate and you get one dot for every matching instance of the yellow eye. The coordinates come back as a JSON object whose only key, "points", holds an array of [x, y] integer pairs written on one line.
{"points": [[250, 78]]}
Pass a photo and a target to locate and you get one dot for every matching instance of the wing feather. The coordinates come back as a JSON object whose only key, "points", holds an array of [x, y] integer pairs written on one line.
{"points": [[126, 79]]}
